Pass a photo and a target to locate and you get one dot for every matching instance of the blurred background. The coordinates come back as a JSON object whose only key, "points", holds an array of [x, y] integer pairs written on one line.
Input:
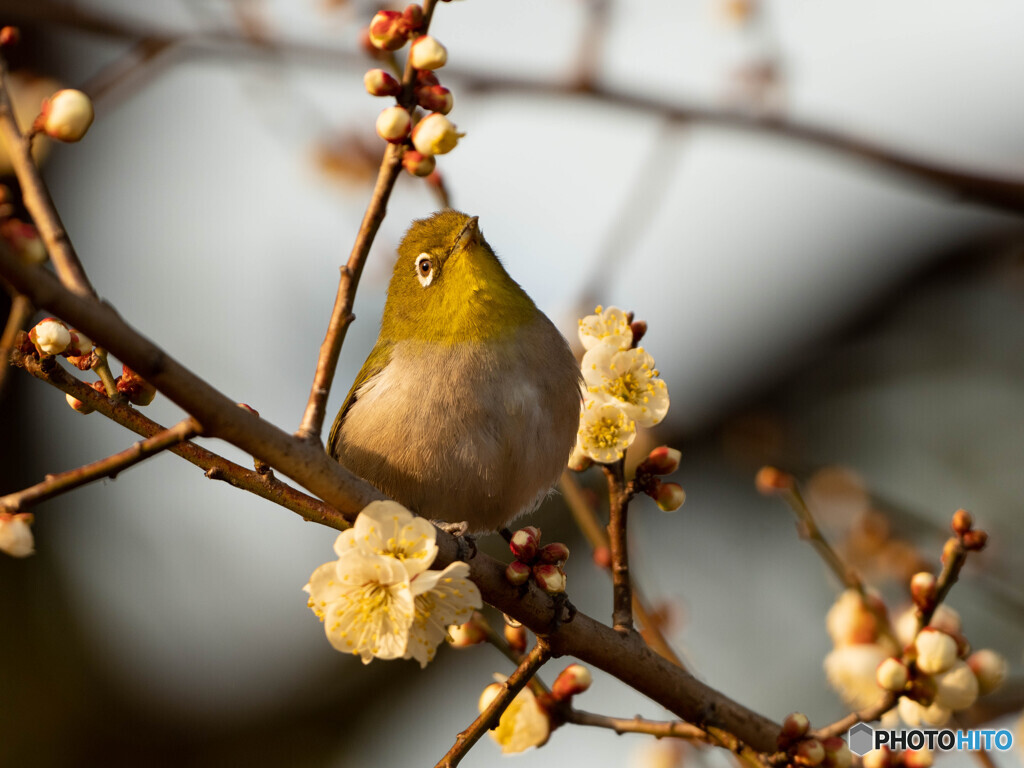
{"points": [[727, 169]]}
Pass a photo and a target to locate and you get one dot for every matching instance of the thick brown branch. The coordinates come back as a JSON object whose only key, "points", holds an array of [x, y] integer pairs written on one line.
{"points": [[490, 716], [54, 485], [622, 655], [341, 316], [216, 467]]}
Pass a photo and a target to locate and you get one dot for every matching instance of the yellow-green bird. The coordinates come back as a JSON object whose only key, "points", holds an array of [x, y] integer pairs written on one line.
{"points": [[468, 405]]}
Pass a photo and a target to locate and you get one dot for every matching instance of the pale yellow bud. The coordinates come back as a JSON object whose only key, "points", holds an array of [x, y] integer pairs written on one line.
{"points": [[67, 115]]}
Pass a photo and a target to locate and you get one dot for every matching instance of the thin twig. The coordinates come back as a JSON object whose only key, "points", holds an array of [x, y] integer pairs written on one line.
{"points": [[21, 312], [54, 485], [490, 716], [618, 500], [596, 534], [217, 467], [341, 316], [867, 715], [674, 728], [997, 192]]}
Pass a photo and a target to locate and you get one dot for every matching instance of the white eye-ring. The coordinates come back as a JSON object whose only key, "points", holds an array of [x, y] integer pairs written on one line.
{"points": [[425, 269]]}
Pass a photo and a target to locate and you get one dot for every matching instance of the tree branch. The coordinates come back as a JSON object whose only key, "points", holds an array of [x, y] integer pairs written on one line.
{"points": [[341, 316], [54, 485], [674, 729], [217, 467], [618, 501], [625, 656], [21, 312], [490, 716]]}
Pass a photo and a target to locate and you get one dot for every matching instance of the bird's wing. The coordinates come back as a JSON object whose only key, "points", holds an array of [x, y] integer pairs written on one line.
{"points": [[379, 357]]}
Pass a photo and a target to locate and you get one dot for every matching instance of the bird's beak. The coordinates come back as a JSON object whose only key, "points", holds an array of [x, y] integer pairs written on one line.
{"points": [[469, 235]]}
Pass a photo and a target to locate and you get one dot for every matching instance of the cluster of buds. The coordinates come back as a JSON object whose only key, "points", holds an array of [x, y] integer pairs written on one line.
{"points": [[65, 116], [531, 717], [16, 534], [661, 461], [23, 238], [805, 750], [543, 564], [433, 134]]}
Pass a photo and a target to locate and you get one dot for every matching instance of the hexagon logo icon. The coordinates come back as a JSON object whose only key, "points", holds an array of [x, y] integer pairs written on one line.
{"points": [[861, 739]]}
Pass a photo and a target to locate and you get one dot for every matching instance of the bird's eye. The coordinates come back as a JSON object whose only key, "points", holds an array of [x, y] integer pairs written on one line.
{"points": [[424, 269]]}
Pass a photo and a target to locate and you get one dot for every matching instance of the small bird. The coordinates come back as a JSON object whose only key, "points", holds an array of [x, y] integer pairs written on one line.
{"points": [[468, 406]]}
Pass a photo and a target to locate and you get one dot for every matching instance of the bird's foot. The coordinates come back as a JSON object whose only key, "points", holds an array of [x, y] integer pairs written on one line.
{"points": [[563, 610], [467, 543]]}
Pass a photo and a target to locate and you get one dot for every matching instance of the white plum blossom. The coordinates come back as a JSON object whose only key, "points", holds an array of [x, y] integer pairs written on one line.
{"points": [[936, 651], [626, 378], [957, 687], [605, 432], [50, 336], [378, 599], [523, 724], [442, 598], [608, 326]]}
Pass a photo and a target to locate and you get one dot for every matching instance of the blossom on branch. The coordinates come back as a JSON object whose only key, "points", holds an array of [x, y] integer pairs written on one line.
{"points": [[16, 534], [379, 599], [605, 432], [608, 326], [626, 378], [523, 724]]}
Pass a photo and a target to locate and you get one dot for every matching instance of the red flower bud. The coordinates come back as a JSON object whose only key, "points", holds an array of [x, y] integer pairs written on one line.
{"points": [[436, 98], [525, 543], [770, 481], [975, 540], [550, 578], [554, 554], [962, 522], [517, 572], [515, 636], [417, 163], [662, 461], [387, 31], [572, 680], [380, 83]]}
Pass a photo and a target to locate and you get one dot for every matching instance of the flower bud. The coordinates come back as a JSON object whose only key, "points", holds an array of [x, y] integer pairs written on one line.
{"points": [[962, 522], [922, 589], [603, 557], [662, 460], [78, 405], [249, 408], [16, 534], [424, 78], [380, 83], [517, 572], [387, 31], [936, 651], [794, 727], [524, 544], [9, 36], [412, 18], [957, 688], [572, 680], [393, 124], [50, 336], [918, 758], [435, 135], [892, 675], [990, 669], [79, 345], [24, 240], [472, 632], [837, 753], [877, 758], [809, 752], [975, 540], [427, 53], [639, 329], [669, 496], [550, 578], [435, 98], [66, 115], [134, 387], [515, 636], [555, 553], [770, 480], [417, 163]]}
